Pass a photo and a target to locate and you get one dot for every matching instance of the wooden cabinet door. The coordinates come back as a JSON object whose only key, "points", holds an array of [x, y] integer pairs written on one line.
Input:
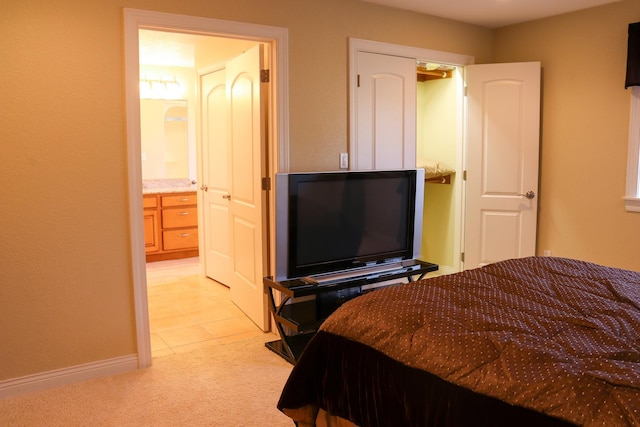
{"points": [[151, 235]]}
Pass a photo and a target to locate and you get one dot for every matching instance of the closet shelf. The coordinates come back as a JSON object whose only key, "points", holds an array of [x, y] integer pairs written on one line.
{"points": [[437, 172], [444, 179]]}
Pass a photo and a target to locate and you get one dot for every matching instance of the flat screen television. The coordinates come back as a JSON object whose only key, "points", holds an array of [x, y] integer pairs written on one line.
{"points": [[332, 222]]}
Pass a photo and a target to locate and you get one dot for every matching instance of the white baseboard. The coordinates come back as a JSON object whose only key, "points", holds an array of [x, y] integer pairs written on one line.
{"points": [[73, 374]]}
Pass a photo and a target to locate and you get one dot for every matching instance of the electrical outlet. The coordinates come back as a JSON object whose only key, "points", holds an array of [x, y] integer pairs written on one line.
{"points": [[344, 161], [546, 252]]}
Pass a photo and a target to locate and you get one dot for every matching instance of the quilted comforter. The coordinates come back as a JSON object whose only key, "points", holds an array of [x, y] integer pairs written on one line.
{"points": [[556, 336]]}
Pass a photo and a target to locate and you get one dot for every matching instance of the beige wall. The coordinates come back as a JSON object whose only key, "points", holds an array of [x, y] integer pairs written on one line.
{"points": [[66, 294], [585, 122]]}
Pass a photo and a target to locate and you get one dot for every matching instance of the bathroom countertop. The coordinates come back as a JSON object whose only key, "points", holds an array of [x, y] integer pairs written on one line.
{"points": [[156, 186]]}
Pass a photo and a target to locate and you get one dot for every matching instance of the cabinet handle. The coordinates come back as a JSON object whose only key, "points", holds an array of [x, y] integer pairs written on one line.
{"points": [[185, 235], [184, 213], [184, 199]]}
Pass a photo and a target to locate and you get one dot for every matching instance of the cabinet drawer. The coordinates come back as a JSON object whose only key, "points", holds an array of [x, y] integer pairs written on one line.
{"points": [[179, 217], [179, 200], [149, 202], [180, 239]]}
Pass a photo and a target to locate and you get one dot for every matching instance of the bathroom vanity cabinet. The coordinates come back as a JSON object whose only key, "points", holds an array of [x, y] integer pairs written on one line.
{"points": [[170, 225]]}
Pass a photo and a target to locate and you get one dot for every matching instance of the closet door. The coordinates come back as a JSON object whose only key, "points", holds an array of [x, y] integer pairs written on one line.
{"points": [[385, 112], [503, 133]]}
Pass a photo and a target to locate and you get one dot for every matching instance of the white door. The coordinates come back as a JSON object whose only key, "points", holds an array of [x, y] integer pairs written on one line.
{"points": [[215, 176], [501, 194], [385, 121], [247, 200]]}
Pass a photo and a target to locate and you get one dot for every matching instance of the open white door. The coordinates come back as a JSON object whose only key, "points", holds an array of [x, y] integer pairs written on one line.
{"points": [[501, 196], [385, 136], [215, 176], [247, 200]]}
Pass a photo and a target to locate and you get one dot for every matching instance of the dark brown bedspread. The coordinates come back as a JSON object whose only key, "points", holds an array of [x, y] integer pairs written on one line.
{"points": [[555, 335]]}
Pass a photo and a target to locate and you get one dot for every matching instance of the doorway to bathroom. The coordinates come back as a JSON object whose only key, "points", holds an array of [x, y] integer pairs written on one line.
{"points": [[195, 74], [276, 144]]}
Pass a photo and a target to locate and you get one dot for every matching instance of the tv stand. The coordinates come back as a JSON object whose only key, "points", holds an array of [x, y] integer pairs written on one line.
{"points": [[297, 321]]}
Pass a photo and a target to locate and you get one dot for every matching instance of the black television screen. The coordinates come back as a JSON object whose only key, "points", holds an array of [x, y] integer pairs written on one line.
{"points": [[335, 221]]}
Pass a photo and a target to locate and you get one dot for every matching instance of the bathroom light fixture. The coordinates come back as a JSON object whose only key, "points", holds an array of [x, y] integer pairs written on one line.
{"points": [[160, 88]]}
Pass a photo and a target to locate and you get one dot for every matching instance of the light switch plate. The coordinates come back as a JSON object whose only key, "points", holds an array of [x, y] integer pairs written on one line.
{"points": [[344, 161]]}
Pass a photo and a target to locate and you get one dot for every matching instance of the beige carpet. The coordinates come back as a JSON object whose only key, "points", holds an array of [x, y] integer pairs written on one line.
{"points": [[235, 384]]}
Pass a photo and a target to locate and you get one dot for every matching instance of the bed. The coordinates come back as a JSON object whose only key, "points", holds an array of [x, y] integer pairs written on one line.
{"points": [[538, 341]]}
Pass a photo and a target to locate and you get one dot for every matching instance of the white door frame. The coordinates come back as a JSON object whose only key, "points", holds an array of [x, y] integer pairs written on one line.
{"points": [[360, 45], [134, 20]]}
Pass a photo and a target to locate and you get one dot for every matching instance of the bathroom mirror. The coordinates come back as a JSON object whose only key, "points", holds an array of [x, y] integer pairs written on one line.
{"points": [[164, 133]]}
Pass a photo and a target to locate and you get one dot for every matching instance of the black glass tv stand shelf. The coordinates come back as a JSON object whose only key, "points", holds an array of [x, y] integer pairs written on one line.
{"points": [[306, 304]]}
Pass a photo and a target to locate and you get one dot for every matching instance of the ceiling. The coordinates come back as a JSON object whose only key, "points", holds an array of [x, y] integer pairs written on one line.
{"points": [[167, 48], [176, 49], [492, 13]]}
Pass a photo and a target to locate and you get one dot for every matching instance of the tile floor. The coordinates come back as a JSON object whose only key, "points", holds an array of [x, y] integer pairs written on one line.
{"points": [[188, 311]]}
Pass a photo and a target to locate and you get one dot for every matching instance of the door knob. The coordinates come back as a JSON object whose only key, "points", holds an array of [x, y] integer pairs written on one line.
{"points": [[529, 195], [227, 197], [204, 188]]}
